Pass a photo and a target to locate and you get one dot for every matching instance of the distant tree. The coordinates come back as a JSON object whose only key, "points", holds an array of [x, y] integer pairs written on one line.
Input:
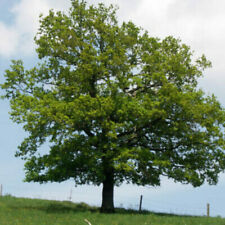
{"points": [[115, 105]]}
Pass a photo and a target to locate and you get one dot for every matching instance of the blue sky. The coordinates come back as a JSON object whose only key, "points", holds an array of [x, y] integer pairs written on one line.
{"points": [[199, 24]]}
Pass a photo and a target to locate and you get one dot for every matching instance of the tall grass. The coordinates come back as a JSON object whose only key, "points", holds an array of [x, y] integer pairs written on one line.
{"points": [[21, 211]]}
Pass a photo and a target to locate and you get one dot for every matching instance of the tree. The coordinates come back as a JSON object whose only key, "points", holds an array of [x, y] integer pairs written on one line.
{"points": [[114, 104]]}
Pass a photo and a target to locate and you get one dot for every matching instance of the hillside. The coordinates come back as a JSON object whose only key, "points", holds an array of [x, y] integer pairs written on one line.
{"points": [[21, 211]]}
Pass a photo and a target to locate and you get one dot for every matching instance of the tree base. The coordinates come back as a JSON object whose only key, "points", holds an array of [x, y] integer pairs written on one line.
{"points": [[107, 210]]}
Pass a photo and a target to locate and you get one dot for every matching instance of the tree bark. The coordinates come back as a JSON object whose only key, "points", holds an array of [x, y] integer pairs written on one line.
{"points": [[107, 193]]}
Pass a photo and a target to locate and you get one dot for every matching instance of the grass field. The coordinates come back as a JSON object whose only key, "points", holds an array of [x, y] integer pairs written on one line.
{"points": [[21, 211]]}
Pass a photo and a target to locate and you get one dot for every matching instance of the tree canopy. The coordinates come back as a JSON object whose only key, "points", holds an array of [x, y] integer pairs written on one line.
{"points": [[114, 105]]}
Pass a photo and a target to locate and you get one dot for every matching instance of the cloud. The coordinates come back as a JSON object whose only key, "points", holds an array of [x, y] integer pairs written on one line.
{"points": [[201, 8], [61, 5], [17, 39], [127, 8], [9, 40], [26, 23], [27, 13]]}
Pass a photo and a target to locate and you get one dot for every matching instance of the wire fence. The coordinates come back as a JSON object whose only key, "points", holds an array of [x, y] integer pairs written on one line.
{"points": [[178, 208], [162, 206]]}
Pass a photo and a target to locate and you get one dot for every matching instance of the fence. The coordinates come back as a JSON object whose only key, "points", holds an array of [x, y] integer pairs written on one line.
{"points": [[175, 210], [143, 203], [178, 208]]}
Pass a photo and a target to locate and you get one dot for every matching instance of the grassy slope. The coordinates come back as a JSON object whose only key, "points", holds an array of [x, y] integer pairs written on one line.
{"points": [[20, 211]]}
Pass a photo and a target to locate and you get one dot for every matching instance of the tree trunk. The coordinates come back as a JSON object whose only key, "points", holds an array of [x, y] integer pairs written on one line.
{"points": [[107, 193]]}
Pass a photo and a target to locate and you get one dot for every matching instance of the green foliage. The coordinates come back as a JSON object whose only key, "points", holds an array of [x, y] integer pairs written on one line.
{"points": [[21, 211], [107, 96]]}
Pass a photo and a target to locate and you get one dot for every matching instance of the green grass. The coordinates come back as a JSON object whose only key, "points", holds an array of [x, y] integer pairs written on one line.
{"points": [[21, 211]]}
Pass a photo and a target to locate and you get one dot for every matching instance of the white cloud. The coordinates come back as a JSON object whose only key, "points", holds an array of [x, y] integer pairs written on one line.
{"points": [[61, 5], [18, 37], [9, 40], [27, 13]]}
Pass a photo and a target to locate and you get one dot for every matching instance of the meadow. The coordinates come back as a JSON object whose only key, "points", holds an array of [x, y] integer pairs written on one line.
{"points": [[22, 211]]}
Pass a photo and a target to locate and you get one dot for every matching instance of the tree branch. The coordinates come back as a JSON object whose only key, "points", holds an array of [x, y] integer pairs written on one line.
{"points": [[135, 130]]}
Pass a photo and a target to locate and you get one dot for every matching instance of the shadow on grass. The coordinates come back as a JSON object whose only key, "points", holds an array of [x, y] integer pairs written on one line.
{"points": [[61, 208], [47, 206], [66, 207]]}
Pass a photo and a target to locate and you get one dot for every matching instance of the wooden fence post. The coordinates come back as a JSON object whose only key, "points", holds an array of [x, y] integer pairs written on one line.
{"points": [[70, 196], [208, 209], [140, 205], [0, 190]]}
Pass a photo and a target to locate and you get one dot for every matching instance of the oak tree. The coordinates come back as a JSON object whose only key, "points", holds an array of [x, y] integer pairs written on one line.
{"points": [[114, 105]]}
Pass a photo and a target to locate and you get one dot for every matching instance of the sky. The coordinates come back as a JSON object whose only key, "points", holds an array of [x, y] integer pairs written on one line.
{"points": [[199, 24]]}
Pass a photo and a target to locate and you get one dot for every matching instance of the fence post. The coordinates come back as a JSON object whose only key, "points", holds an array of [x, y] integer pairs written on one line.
{"points": [[70, 196], [140, 205], [208, 209], [0, 190]]}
